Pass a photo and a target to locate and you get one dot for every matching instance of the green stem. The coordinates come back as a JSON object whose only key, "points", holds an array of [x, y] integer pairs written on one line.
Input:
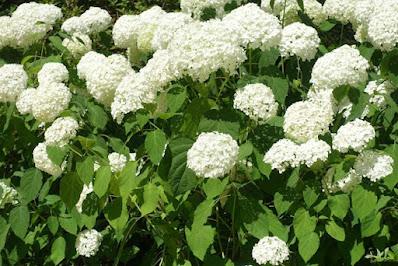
{"points": [[341, 33], [123, 243]]}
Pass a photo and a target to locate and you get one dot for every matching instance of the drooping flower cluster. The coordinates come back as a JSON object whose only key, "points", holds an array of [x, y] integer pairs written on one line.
{"points": [[270, 250], [299, 40], [257, 101], [61, 131], [213, 155], [8, 195], [28, 24], [13, 80], [88, 242], [342, 66], [103, 74], [355, 135]]}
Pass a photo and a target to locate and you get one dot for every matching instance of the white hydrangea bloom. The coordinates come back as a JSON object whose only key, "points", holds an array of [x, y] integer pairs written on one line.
{"points": [[306, 120], [212, 155], [103, 74], [61, 131], [26, 100], [282, 154], [342, 66], [374, 165], [8, 195], [256, 28], [50, 100], [355, 135], [348, 183], [270, 250], [93, 20], [13, 80], [299, 40], [123, 32], [257, 101], [44, 13], [53, 73], [43, 162], [75, 25], [196, 7], [290, 13], [78, 45], [88, 243], [6, 34], [313, 151], [87, 189], [341, 10], [202, 48], [377, 91], [118, 161]]}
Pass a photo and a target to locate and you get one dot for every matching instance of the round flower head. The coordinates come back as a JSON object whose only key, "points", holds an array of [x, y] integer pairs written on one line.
{"points": [[13, 80], [96, 19], [378, 92], [374, 165], [306, 120], [313, 151], [123, 32], [355, 135], [44, 13], [78, 45], [299, 40], [342, 66], [8, 195], [196, 7], [50, 100], [61, 131], [25, 101], [75, 25], [341, 10], [43, 162], [257, 101], [103, 74], [348, 183], [53, 73], [282, 154], [272, 250], [88, 243], [212, 155], [256, 28], [87, 189]]}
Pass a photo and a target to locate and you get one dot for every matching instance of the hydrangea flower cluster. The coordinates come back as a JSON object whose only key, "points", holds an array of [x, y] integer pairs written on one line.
{"points": [[78, 44], [341, 10], [378, 90], [88, 243], [270, 250], [212, 155], [299, 40], [373, 165], [8, 195], [93, 20], [61, 131], [44, 163], [118, 161], [257, 101], [13, 80]]}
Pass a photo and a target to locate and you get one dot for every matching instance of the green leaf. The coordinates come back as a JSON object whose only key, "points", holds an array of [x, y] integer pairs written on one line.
{"points": [[213, 187], [370, 225], [363, 202], [70, 188], [310, 196], [90, 205], [223, 121], [119, 146], [193, 114], [245, 150], [102, 180], [335, 231], [199, 239], [56, 154], [303, 223], [151, 199], [58, 250], [19, 221], [68, 224], [96, 116], [30, 185], [117, 215], [52, 224], [4, 228], [308, 246], [301, 4], [57, 42], [127, 180], [85, 169], [339, 205], [326, 26], [356, 252], [281, 205], [155, 144], [202, 212], [279, 86], [268, 58], [176, 97], [181, 178], [276, 227]]}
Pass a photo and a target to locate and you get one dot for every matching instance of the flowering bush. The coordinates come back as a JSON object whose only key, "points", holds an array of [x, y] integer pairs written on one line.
{"points": [[227, 133]]}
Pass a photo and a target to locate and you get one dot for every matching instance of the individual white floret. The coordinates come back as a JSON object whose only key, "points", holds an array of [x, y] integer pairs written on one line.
{"points": [[25, 101], [13, 80], [299, 40], [8, 195], [78, 45], [87, 189], [53, 73], [96, 19], [88, 243], [355, 135], [378, 90], [282, 154], [342, 66], [256, 28], [306, 120], [61, 131], [313, 151], [257, 101], [50, 100], [212, 155], [374, 165], [43, 162], [270, 250], [348, 183]]}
